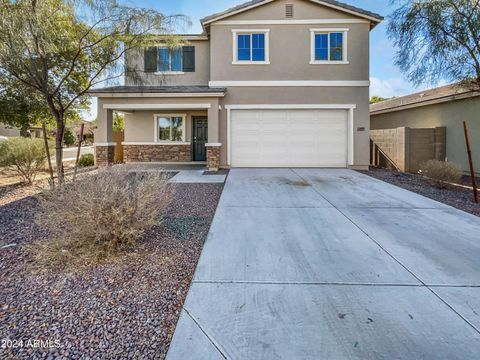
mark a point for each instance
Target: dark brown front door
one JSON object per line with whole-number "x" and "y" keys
{"x": 200, "y": 136}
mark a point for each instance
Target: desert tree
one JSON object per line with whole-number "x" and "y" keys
{"x": 376, "y": 99}
{"x": 437, "y": 39}
{"x": 60, "y": 49}
{"x": 18, "y": 108}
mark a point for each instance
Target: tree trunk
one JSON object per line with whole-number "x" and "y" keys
{"x": 79, "y": 149}
{"x": 59, "y": 148}
{"x": 60, "y": 120}
{"x": 47, "y": 149}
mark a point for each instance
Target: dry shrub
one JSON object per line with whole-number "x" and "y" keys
{"x": 441, "y": 172}
{"x": 26, "y": 156}
{"x": 99, "y": 215}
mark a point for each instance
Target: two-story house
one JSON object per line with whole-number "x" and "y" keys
{"x": 270, "y": 83}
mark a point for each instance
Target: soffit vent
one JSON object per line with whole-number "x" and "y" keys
{"x": 289, "y": 11}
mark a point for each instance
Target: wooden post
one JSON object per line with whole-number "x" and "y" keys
{"x": 78, "y": 151}
{"x": 49, "y": 159}
{"x": 470, "y": 161}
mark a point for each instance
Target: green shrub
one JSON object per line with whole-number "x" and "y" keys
{"x": 86, "y": 160}
{"x": 98, "y": 216}
{"x": 68, "y": 137}
{"x": 26, "y": 156}
{"x": 441, "y": 172}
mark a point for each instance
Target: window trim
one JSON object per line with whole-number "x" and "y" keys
{"x": 170, "y": 72}
{"x": 236, "y": 32}
{"x": 328, "y": 31}
{"x": 169, "y": 115}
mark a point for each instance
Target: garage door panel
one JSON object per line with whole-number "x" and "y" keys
{"x": 292, "y": 138}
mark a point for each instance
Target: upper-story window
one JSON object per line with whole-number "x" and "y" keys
{"x": 170, "y": 60}
{"x": 166, "y": 60}
{"x": 328, "y": 46}
{"x": 251, "y": 47}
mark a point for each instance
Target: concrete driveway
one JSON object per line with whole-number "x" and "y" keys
{"x": 332, "y": 264}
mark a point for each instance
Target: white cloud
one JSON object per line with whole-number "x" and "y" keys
{"x": 396, "y": 86}
{"x": 390, "y": 87}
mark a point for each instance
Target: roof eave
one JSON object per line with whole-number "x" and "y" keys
{"x": 428, "y": 102}
{"x": 206, "y": 21}
{"x": 119, "y": 94}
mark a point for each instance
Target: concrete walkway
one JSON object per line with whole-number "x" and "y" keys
{"x": 187, "y": 174}
{"x": 332, "y": 264}
{"x": 197, "y": 177}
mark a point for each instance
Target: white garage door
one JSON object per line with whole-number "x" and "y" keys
{"x": 289, "y": 138}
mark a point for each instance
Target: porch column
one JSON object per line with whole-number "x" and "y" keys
{"x": 213, "y": 146}
{"x": 104, "y": 144}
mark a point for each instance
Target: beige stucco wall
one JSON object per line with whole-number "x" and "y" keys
{"x": 290, "y": 55}
{"x": 201, "y": 76}
{"x": 450, "y": 115}
{"x": 140, "y": 125}
{"x": 303, "y": 9}
{"x": 306, "y": 95}
{"x": 289, "y": 60}
{"x": 290, "y": 48}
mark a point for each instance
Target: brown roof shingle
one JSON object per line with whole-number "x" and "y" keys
{"x": 441, "y": 94}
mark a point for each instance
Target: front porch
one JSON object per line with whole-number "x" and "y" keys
{"x": 163, "y": 125}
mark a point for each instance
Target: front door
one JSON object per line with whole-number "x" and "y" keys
{"x": 200, "y": 138}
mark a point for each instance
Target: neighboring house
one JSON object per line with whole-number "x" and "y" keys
{"x": 88, "y": 131}
{"x": 8, "y": 131}
{"x": 11, "y": 131}
{"x": 446, "y": 106}
{"x": 270, "y": 83}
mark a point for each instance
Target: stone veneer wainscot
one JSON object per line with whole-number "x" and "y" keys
{"x": 104, "y": 155}
{"x": 213, "y": 156}
{"x": 157, "y": 153}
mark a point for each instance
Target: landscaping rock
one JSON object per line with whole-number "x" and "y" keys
{"x": 125, "y": 307}
{"x": 457, "y": 196}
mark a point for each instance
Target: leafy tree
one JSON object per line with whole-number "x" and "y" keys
{"x": 20, "y": 109}
{"x": 437, "y": 39}
{"x": 118, "y": 122}
{"x": 68, "y": 137}
{"x": 60, "y": 49}
{"x": 376, "y": 99}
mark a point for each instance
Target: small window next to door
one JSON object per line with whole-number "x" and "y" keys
{"x": 170, "y": 128}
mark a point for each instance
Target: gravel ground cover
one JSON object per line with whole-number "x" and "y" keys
{"x": 10, "y": 193}
{"x": 456, "y": 196}
{"x": 16, "y": 191}
{"x": 124, "y": 308}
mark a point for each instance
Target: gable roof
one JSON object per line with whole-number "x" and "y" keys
{"x": 423, "y": 98}
{"x": 375, "y": 18}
